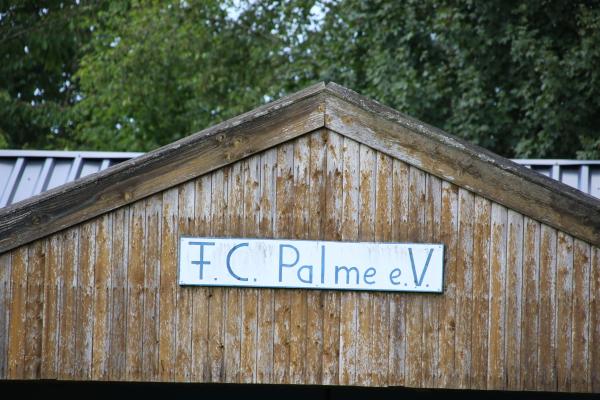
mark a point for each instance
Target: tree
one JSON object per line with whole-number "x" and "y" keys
{"x": 40, "y": 43}
{"x": 519, "y": 78}
{"x": 153, "y": 74}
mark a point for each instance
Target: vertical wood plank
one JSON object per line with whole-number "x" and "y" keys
{"x": 249, "y": 339}
{"x": 216, "y": 322}
{"x": 18, "y": 307}
{"x": 102, "y": 288}
{"x": 233, "y": 227}
{"x": 315, "y": 299}
{"x": 283, "y": 229}
{"x": 480, "y": 297}
{"x": 413, "y": 369}
{"x": 85, "y": 299}
{"x": 595, "y": 320}
{"x": 332, "y": 231}
{"x": 546, "y": 375}
{"x": 380, "y": 343}
{"x": 135, "y": 290}
{"x": 151, "y": 334}
{"x": 349, "y": 300}
{"x": 366, "y": 232}
{"x": 5, "y": 306}
{"x": 400, "y": 196}
{"x": 68, "y": 317}
{"x": 432, "y": 303}
{"x": 52, "y": 278}
{"x": 167, "y": 312}
{"x": 580, "y": 371}
{"x": 530, "y": 293}
{"x": 298, "y": 298}
{"x": 449, "y": 237}
{"x": 119, "y": 265}
{"x": 183, "y": 338}
{"x": 200, "y": 300}
{"x": 34, "y": 308}
{"x": 564, "y": 311}
{"x": 264, "y": 349}
{"x": 496, "y": 378}
{"x": 514, "y": 281}
{"x": 464, "y": 287}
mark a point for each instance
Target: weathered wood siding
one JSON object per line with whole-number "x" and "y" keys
{"x": 520, "y": 310}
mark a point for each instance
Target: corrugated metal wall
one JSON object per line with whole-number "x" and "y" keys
{"x": 580, "y": 174}
{"x": 25, "y": 173}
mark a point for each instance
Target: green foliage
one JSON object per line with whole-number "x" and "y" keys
{"x": 519, "y": 78}
{"x": 40, "y": 44}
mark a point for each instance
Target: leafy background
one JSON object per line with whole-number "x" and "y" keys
{"x": 519, "y": 78}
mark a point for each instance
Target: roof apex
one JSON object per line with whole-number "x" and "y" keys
{"x": 325, "y": 104}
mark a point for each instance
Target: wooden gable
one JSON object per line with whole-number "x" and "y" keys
{"x": 93, "y": 295}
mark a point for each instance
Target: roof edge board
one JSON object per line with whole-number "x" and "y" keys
{"x": 465, "y": 164}
{"x": 185, "y": 159}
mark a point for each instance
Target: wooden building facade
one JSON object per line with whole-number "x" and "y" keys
{"x": 88, "y": 271}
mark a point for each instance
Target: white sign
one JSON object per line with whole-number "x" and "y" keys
{"x": 307, "y": 264}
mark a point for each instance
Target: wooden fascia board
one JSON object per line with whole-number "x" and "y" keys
{"x": 188, "y": 158}
{"x": 467, "y": 165}
{"x": 332, "y": 106}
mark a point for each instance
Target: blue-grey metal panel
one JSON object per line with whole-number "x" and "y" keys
{"x": 580, "y": 174}
{"x": 25, "y": 173}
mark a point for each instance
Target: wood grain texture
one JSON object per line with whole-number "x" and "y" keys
{"x": 464, "y": 286}
{"x": 5, "y": 305}
{"x": 135, "y": 291}
{"x": 151, "y": 334}
{"x": 530, "y": 293}
{"x": 349, "y": 229}
{"x": 471, "y": 167}
{"x": 183, "y": 338}
{"x": 413, "y": 368}
{"x": 380, "y": 342}
{"x": 168, "y": 284}
{"x": 264, "y": 350}
{"x": 480, "y": 298}
{"x": 101, "y": 301}
{"x": 449, "y": 237}
{"x": 216, "y": 306}
{"x": 514, "y": 282}
{"x": 68, "y": 315}
{"x": 397, "y": 356}
{"x": 580, "y": 371}
{"x": 300, "y": 223}
{"x": 34, "y": 308}
{"x": 200, "y": 296}
{"x": 546, "y": 374}
{"x": 496, "y": 376}
{"x": 190, "y": 157}
{"x": 316, "y": 227}
{"x": 119, "y": 266}
{"x": 432, "y": 306}
{"x": 564, "y": 311}
{"x": 18, "y": 307}
{"x": 595, "y": 320}
{"x": 233, "y": 215}
{"x": 283, "y": 228}
{"x": 52, "y": 306}
{"x": 332, "y": 231}
{"x": 251, "y": 221}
